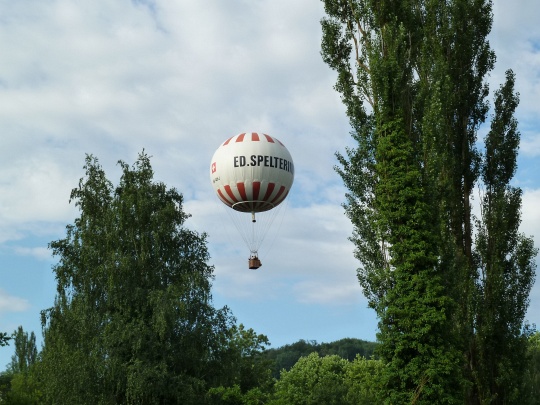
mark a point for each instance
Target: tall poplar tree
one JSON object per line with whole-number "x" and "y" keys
{"x": 411, "y": 75}
{"x": 133, "y": 320}
{"x": 504, "y": 258}
{"x": 25, "y": 351}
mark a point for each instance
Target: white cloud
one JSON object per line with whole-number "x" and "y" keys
{"x": 530, "y": 143}
{"x": 530, "y": 224}
{"x": 514, "y": 21}
{"x": 177, "y": 78}
{"x": 9, "y": 303}
{"x": 33, "y": 191}
{"x": 40, "y": 253}
{"x": 306, "y": 254}
{"x": 323, "y": 292}
{"x": 174, "y": 78}
{"x": 515, "y": 38}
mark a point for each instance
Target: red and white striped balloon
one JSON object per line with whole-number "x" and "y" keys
{"x": 252, "y": 172}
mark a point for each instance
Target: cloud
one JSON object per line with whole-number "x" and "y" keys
{"x": 174, "y": 78}
{"x": 306, "y": 254}
{"x": 34, "y": 195}
{"x": 9, "y": 303}
{"x": 530, "y": 214}
{"x": 313, "y": 292}
{"x": 530, "y": 143}
{"x": 515, "y": 22}
{"x": 515, "y": 38}
{"x": 177, "y": 78}
{"x": 40, "y": 253}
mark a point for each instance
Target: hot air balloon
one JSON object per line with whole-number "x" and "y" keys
{"x": 252, "y": 174}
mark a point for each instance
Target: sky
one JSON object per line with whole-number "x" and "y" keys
{"x": 176, "y": 78}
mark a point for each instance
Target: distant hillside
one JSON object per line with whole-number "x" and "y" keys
{"x": 286, "y": 356}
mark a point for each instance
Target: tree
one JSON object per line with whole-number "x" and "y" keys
{"x": 531, "y": 383}
{"x": 4, "y": 339}
{"x": 21, "y": 379}
{"x": 5, "y": 385}
{"x": 330, "y": 380}
{"x": 286, "y": 356}
{"x": 249, "y": 378}
{"x": 25, "y": 351}
{"x": 363, "y": 379}
{"x": 133, "y": 320}
{"x": 24, "y": 389}
{"x": 411, "y": 75}
{"x": 233, "y": 395}
{"x": 249, "y": 368}
{"x": 505, "y": 260}
{"x": 347, "y": 348}
{"x": 313, "y": 380}
{"x": 391, "y": 199}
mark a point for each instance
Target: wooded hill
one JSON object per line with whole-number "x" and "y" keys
{"x": 284, "y": 357}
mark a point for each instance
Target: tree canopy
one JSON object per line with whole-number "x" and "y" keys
{"x": 285, "y": 357}
{"x": 133, "y": 320}
{"x": 450, "y": 289}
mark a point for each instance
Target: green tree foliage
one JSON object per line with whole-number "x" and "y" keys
{"x": 347, "y": 348}
{"x": 330, "y": 380}
{"x": 248, "y": 367}
{"x": 248, "y": 379}
{"x": 390, "y": 202}
{"x": 25, "y": 351}
{"x": 133, "y": 320}
{"x": 531, "y": 382}
{"x": 24, "y": 389}
{"x": 4, "y": 339}
{"x": 504, "y": 258}
{"x": 20, "y": 381}
{"x": 4, "y": 377}
{"x": 363, "y": 380}
{"x": 225, "y": 395}
{"x": 5, "y": 385}
{"x": 313, "y": 380}
{"x": 451, "y": 307}
{"x": 286, "y": 356}
{"x": 233, "y": 395}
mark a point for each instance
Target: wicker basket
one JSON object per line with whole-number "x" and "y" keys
{"x": 254, "y": 263}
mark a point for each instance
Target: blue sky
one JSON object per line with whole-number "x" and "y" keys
{"x": 176, "y": 78}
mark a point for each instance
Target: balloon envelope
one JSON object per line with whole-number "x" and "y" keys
{"x": 252, "y": 172}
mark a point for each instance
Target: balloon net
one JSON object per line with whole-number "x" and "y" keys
{"x": 254, "y": 227}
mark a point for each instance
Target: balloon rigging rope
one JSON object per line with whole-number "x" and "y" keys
{"x": 274, "y": 231}
{"x": 253, "y": 233}
{"x": 226, "y": 227}
{"x": 240, "y": 221}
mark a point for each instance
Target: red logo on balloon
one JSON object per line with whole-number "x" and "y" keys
{"x": 214, "y": 167}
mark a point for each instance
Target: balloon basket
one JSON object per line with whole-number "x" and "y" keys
{"x": 254, "y": 263}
